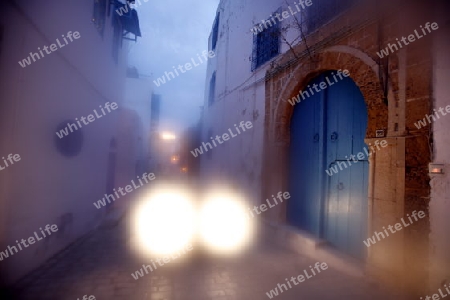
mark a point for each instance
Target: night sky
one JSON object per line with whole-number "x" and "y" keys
{"x": 174, "y": 32}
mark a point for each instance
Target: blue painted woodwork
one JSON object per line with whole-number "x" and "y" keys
{"x": 326, "y": 128}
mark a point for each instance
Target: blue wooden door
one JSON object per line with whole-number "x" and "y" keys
{"x": 326, "y": 129}
{"x": 304, "y": 211}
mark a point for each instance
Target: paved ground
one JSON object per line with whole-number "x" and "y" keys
{"x": 101, "y": 265}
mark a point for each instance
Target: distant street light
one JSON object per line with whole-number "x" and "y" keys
{"x": 174, "y": 159}
{"x": 168, "y": 136}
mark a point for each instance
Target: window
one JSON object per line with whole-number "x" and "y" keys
{"x": 99, "y": 15}
{"x": 130, "y": 23}
{"x": 323, "y": 11}
{"x": 266, "y": 44}
{"x": 212, "y": 89}
{"x": 124, "y": 21}
{"x": 155, "y": 110}
{"x": 215, "y": 32}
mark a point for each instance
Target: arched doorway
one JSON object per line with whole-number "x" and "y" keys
{"x": 327, "y": 128}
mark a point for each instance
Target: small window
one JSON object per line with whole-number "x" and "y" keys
{"x": 324, "y": 11}
{"x": 212, "y": 89}
{"x": 215, "y": 32}
{"x": 155, "y": 108}
{"x": 99, "y": 15}
{"x": 266, "y": 44}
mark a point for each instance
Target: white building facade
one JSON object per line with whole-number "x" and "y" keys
{"x": 235, "y": 86}
{"x": 134, "y": 128}
{"x": 81, "y": 69}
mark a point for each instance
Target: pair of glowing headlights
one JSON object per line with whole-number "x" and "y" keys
{"x": 167, "y": 221}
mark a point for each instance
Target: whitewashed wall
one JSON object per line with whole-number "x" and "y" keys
{"x": 240, "y": 94}
{"x": 46, "y": 187}
{"x": 138, "y": 93}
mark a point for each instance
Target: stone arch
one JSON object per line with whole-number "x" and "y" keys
{"x": 288, "y": 83}
{"x": 363, "y": 70}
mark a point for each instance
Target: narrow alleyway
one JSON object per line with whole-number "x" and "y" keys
{"x": 101, "y": 265}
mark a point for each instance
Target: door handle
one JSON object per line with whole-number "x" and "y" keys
{"x": 316, "y": 137}
{"x": 334, "y": 136}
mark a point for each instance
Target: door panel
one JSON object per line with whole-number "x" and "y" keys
{"x": 304, "y": 159}
{"x": 325, "y": 130}
{"x": 347, "y": 122}
{"x": 345, "y": 217}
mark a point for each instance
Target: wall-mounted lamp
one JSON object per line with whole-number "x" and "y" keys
{"x": 436, "y": 168}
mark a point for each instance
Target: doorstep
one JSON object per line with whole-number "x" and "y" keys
{"x": 304, "y": 243}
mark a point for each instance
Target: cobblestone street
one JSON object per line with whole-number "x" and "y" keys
{"x": 101, "y": 265}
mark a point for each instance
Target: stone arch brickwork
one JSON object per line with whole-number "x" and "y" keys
{"x": 363, "y": 70}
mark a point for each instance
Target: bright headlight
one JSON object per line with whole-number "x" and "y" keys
{"x": 224, "y": 225}
{"x": 165, "y": 222}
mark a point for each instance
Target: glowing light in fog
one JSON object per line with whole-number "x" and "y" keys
{"x": 174, "y": 159}
{"x": 165, "y": 222}
{"x": 168, "y": 136}
{"x": 224, "y": 225}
